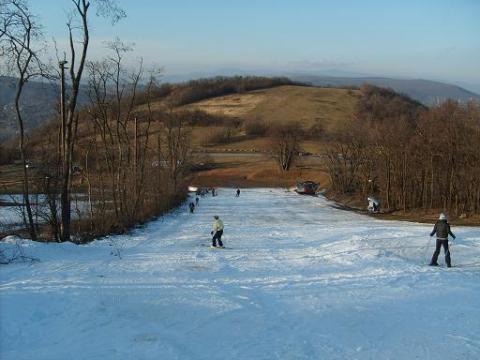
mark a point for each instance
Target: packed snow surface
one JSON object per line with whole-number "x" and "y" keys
{"x": 299, "y": 280}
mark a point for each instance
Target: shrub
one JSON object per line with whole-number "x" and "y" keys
{"x": 316, "y": 131}
{"x": 255, "y": 127}
{"x": 218, "y": 136}
{"x": 8, "y": 154}
{"x": 284, "y": 143}
{"x": 203, "y": 118}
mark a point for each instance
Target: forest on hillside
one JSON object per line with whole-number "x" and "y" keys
{"x": 410, "y": 156}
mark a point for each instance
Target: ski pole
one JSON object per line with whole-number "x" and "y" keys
{"x": 428, "y": 246}
{"x": 450, "y": 244}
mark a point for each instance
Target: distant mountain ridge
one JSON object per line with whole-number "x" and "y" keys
{"x": 427, "y": 92}
{"x": 37, "y": 104}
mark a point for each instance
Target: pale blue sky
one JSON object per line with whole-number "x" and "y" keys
{"x": 433, "y": 39}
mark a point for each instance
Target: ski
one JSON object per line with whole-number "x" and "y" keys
{"x": 215, "y": 247}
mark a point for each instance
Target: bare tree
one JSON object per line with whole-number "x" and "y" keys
{"x": 112, "y": 93}
{"x": 285, "y": 140}
{"x": 20, "y": 45}
{"x": 344, "y": 160}
{"x": 79, "y": 36}
{"x": 128, "y": 176}
{"x": 176, "y": 150}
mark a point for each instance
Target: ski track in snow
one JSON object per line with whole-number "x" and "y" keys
{"x": 298, "y": 280}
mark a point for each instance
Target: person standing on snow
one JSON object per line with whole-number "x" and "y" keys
{"x": 442, "y": 229}
{"x": 197, "y": 200}
{"x": 217, "y": 232}
{"x": 192, "y": 207}
{"x": 238, "y": 192}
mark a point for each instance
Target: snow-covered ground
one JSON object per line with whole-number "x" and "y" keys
{"x": 299, "y": 280}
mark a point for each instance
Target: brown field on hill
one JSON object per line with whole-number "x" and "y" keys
{"x": 232, "y": 170}
{"x": 262, "y": 144}
{"x": 330, "y": 108}
{"x": 307, "y": 105}
{"x": 326, "y": 108}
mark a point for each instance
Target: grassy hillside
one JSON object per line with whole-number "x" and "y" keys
{"x": 327, "y": 108}
{"x": 308, "y": 105}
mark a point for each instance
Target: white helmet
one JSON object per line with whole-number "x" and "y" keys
{"x": 442, "y": 217}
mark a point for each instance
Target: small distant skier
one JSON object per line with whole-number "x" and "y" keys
{"x": 217, "y": 232}
{"x": 213, "y": 192}
{"x": 238, "y": 192}
{"x": 197, "y": 200}
{"x": 373, "y": 205}
{"x": 442, "y": 229}
{"x": 192, "y": 207}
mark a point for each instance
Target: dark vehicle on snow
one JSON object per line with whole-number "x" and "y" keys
{"x": 307, "y": 187}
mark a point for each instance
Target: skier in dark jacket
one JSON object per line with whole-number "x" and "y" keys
{"x": 192, "y": 207}
{"x": 238, "y": 192}
{"x": 442, "y": 229}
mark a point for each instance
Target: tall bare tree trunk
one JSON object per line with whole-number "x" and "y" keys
{"x": 21, "y": 146}
{"x": 18, "y": 32}
{"x": 68, "y": 142}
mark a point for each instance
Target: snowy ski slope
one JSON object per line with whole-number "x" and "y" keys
{"x": 299, "y": 280}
